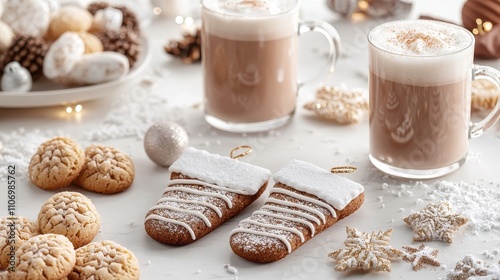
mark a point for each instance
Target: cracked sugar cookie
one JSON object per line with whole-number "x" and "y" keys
{"x": 45, "y": 257}
{"x": 71, "y": 214}
{"x": 106, "y": 170}
{"x": 23, "y": 229}
{"x": 56, "y": 163}
{"x": 105, "y": 260}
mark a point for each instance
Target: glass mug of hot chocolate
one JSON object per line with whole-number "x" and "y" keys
{"x": 420, "y": 97}
{"x": 250, "y": 57}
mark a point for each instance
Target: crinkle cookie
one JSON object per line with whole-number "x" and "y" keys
{"x": 22, "y": 228}
{"x": 106, "y": 170}
{"x": 105, "y": 260}
{"x": 45, "y": 257}
{"x": 71, "y": 214}
{"x": 56, "y": 163}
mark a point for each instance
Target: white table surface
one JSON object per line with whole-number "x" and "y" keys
{"x": 175, "y": 95}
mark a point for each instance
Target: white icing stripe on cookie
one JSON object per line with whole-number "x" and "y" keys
{"x": 264, "y": 225}
{"x": 296, "y": 205}
{"x": 262, "y": 233}
{"x": 160, "y": 218}
{"x": 186, "y": 201}
{"x": 198, "y": 192}
{"x": 177, "y": 209}
{"x": 305, "y": 198}
{"x": 278, "y": 216}
{"x": 291, "y": 211}
{"x": 205, "y": 184}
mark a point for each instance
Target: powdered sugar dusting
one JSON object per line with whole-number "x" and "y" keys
{"x": 338, "y": 191}
{"x": 18, "y": 147}
{"x": 478, "y": 203}
{"x": 222, "y": 171}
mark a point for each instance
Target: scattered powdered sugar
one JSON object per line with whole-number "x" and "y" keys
{"x": 231, "y": 269}
{"x": 474, "y": 201}
{"x": 18, "y": 147}
{"x": 477, "y": 202}
{"x": 135, "y": 111}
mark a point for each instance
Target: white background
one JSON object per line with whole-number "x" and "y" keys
{"x": 177, "y": 94}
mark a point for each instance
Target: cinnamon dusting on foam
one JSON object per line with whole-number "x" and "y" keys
{"x": 414, "y": 40}
{"x": 422, "y": 37}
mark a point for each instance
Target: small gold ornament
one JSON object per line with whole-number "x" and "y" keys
{"x": 339, "y": 105}
{"x": 246, "y": 151}
{"x": 343, "y": 169}
{"x": 483, "y": 27}
{"x": 420, "y": 256}
{"x": 365, "y": 251}
{"x": 435, "y": 222}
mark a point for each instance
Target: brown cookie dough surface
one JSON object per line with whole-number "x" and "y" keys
{"x": 106, "y": 170}
{"x": 105, "y": 260}
{"x": 56, "y": 163}
{"x": 45, "y": 257}
{"x": 70, "y": 214}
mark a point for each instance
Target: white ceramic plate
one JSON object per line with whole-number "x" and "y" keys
{"x": 46, "y": 93}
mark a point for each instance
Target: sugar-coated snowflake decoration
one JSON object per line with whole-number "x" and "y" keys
{"x": 473, "y": 268}
{"x": 420, "y": 256}
{"x": 435, "y": 222}
{"x": 365, "y": 251}
{"x": 339, "y": 105}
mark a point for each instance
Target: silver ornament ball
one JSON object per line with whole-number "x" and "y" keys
{"x": 16, "y": 78}
{"x": 164, "y": 142}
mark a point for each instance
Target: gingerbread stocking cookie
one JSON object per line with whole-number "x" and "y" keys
{"x": 204, "y": 191}
{"x": 304, "y": 201}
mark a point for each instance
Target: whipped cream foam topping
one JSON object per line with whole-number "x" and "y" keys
{"x": 250, "y": 7}
{"x": 427, "y": 38}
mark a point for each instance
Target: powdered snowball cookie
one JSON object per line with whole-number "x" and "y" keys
{"x": 27, "y": 17}
{"x": 53, "y": 6}
{"x": 45, "y": 257}
{"x": 56, "y": 163}
{"x": 92, "y": 43}
{"x": 7, "y": 36}
{"x": 15, "y": 228}
{"x": 71, "y": 214}
{"x": 106, "y": 170}
{"x": 105, "y": 260}
{"x": 97, "y": 68}
{"x": 62, "y": 56}
{"x": 108, "y": 19}
{"x": 70, "y": 18}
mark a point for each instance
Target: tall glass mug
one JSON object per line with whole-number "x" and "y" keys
{"x": 420, "y": 97}
{"x": 249, "y": 57}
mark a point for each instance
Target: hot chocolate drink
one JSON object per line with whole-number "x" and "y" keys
{"x": 249, "y": 59}
{"x": 420, "y": 83}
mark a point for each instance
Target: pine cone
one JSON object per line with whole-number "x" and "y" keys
{"x": 29, "y": 52}
{"x": 122, "y": 41}
{"x": 188, "y": 49}
{"x": 130, "y": 20}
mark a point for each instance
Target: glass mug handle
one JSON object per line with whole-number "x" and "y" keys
{"x": 331, "y": 35}
{"x": 493, "y": 75}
